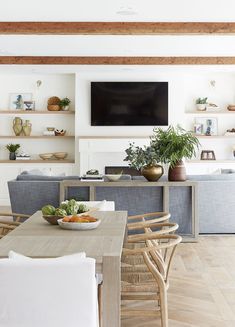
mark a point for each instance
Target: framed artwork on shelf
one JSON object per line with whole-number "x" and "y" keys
{"x": 17, "y": 100}
{"x": 29, "y": 105}
{"x": 206, "y": 126}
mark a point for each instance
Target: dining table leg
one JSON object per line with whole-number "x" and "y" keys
{"x": 111, "y": 291}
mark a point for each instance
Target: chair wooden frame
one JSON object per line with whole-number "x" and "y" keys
{"x": 7, "y": 226}
{"x": 147, "y": 277}
{"x": 159, "y": 269}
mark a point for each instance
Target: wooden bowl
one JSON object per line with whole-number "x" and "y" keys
{"x": 46, "y": 156}
{"x": 53, "y": 220}
{"x": 60, "y": 155}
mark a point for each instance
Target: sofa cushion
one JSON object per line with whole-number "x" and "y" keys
{"x": 222, "y": 177}
{"x": 28, "y": 177}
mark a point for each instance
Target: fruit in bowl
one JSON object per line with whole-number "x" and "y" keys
{"x": 66, "y": 208}
{"x": 79, "y": 219}
{"x": 51, "y": 214}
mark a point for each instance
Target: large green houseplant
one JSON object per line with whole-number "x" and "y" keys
{"x": 171, "y": 146}
{"x": 145, "y": 160}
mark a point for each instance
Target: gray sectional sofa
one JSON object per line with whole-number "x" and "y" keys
{"x": 216, "y": 200}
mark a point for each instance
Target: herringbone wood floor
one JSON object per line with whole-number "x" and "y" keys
{"x": 202, "y": 286}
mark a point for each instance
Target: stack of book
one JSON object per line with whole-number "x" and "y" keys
{"x": 23, "y": 157}
{"x": 92, "y": 178}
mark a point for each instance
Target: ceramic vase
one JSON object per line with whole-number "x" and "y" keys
{"x": 65, "y": 108}
{"x": 177, "y": 173}
{"x": 152, "y": 173}
{"x": 27, "y": 128}
{"x": 12, "y": 156}
{"x": 17, "y": 126}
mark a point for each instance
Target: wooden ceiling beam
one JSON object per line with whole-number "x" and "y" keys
{"x": 58, "y": 60}
{"x": 115, "y": 28}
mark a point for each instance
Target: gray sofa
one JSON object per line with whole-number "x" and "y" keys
{"x": 216, "y": 203}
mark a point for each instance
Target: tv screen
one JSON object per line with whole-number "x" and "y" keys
{"x": 129, "y": 103}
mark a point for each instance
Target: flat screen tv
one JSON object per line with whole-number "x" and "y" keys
{"x": 129, "y": 103}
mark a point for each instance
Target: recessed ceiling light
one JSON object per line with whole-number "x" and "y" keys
{"x": 126, "y": 11}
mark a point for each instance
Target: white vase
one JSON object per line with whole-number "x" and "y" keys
{"x": 65, "y": 108}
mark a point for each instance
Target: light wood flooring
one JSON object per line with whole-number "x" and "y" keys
{"x": 202, "y": 286}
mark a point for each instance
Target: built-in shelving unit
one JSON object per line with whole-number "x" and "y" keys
{"x": 36, "y": 112}
{"x": 37, "y": 137}
{"x": 37, "y": 161}
{"x": 216, "y": 136}
{"x": 221, "y": 112}
{"x": 211, "y": 161}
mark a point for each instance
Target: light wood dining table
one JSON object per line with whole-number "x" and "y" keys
{"x": 36, "y": 238}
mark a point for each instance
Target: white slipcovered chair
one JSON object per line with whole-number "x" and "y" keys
{"x": 48, "y": 292}
{"x": 100, "y": 205}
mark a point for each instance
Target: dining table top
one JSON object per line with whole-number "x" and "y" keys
{"x": 37, "y": 238}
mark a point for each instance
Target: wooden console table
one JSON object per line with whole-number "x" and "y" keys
{"x": 64, "y": 185}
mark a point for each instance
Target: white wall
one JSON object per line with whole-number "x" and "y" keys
{"x": 185, "y": 85}
{"x": 107, "y": 10}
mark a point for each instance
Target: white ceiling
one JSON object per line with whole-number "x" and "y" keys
{"x": 107, "y": 10}
{"x": 116, "y": 10}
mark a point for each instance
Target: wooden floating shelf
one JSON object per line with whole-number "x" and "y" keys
{"x": 37, "y": 161}
{"x": 37, "y": 137}
{"x": 36, "y": 112}
{"x": 222, "y": 112}
{"x": 215, "y": 137}
{"x": 211, "y": 161}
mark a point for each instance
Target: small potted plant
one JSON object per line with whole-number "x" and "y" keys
{"x": 64, "y": 103}
{"x": 12, "y": 148}
{"x": 144, "y": 159}
{"x": 171, "y": 146}
{"x": 201, "y": 104}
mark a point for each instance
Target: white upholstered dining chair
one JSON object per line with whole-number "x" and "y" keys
{"x": 48, "y": 292}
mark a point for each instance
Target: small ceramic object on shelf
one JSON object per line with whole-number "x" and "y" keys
{"x": 17, "y": 126}
{"x": 212, "y": 107}
{"x": 46, "y": 156}
{"x": 60, "y": 155}
{"x": 113, "y": 177}
{"x": 231, "y": 107}
{"x": 60, "y": 132}
{"x": 230, "y": 132}
{"x": 50, "y": 129}
{"x": 27, "y": 128}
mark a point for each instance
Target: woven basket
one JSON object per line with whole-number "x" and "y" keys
{"x": 53, "y": 107}
{"x": 53, "y": 104}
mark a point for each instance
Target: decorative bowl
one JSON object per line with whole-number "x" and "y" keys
{"x": 50, "y": 129}
{"x": 60, "y": 155}
{"x": 113, "y": 177}
{"x": 53, "y": 220}
{"x": 78, "y": 226}
{"x": 46, "y": 156}
{"x": 60, "y": 132}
